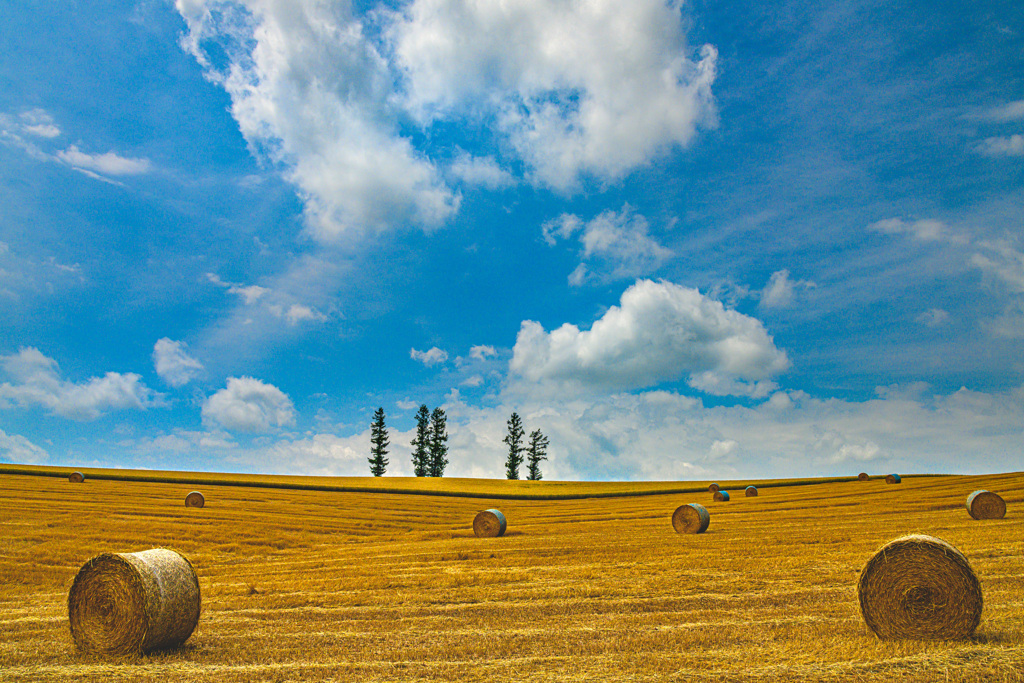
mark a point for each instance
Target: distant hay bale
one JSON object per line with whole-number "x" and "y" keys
{"x": 986, "y": 505}
{"x": 195, "y": 499}
{"x": 691, "y": 519}
{"x": 893, "y": 479}
{"x": 489, "y": 524}
{"x": 713, "y": 488}
{"x": 750, "y": 491}
{"x": 128, "y": 603}
{"x": 919, "y": 587}
{"x": 863, "y": 476}
{"x": 76, "y": 477}
{"x": 721, "y": 495}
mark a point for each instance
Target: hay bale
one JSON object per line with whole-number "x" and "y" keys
{"x": 863, "y": 476}
{"x": 750, "y": 491}
{"x": 127, "y": 603}
{"x": 195, "y": 499}
{"x": 76, "y": 477}
{"x": 893, "y": 479}
{"x": 986, "y": 505}
{"x": 489, "y": 524}
{"x": 721, "y": 496}
{"x": 713, "y": 487}
{"x": 691, "y": 519}
{"x": 919, "y": 587}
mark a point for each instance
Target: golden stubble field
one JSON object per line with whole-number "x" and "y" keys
{"x": 313, "y": 585}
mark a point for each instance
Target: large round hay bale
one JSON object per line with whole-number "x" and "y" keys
{"x": 713, "y": 487}
{"x": 691, "y": 519}
{"x": 919, "y": 587}
{"x": 750, "y": 491}
{"x": 893, "y": 479}
{"x": 195, "y": 499}
{"x": 863, "y": 476}
{"x": 721, "y": 496}
{"x": 986, "y": 505}
{"x": 125, "y": 603}
{"x": 489, "y": 523}
{"x": 76, "y": 477}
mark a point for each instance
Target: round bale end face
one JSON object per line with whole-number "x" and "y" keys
{"x": 76, "y": 477}
{"x": 489, "y": 524}
{"x": 922, "y": 588}
{"x": 693, "y": 518}
{"x": 863, "y": 476}
{"x": 986, "y": 505}
{"x": 893, "y": 479}
{"x": 751, "y": 491}
{"x": 721, "y": 496}
{"x": 195, "y": 499}
{"x": 130, "y": 603}
{"x": 713, "y": 487}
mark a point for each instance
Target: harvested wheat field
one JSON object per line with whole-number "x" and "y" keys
{"x": 375, "y": 586}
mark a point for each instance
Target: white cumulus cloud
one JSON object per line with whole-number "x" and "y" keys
{"x": 37, "y": 381}
{"x": 660, "y": 332}
{"x": 614, "y": 245}
{"x": 433, "y": 356}
{"x": 586, "y": 87}
{"x": 249, "y": 405}
{"x": 173, "y": 364}
{"x": 312, "y": 92}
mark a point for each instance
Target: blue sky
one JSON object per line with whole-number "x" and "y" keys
{"x": 685, "y": 241}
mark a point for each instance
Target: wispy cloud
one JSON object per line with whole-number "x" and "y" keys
{"x": 18, "y": 449}
{"x": 108, "y": 164}
{"x": 780, "y": 291}
{"x": 434, "y": 356}
{"x": 173, "y": 364}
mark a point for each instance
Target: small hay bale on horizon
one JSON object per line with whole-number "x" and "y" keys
{"x": 919, "y": 587}
{"x": 132, "y": 603}
{"x": 489, "y": 524}
{"x": 76, "y": 477}
{"x": 893, "y": 479}
{"x": 986, "y": 505}
{"x": 195, "y": 499}
{"x": 863, "y": 476}
{"x": 713, "y": 487}
{"x": 750, "y": 491}
{"x": 721, "y": 496}
{"x": 692, "y": 518}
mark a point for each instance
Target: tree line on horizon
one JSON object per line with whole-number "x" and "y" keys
{"x": 430, "y": 445}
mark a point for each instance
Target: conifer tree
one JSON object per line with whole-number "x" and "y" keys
{"x": 421, "y": 443}
{"x": 438, "y": 443}
{"x": 514, "y": 439}
{"x": 378, "y": 444}
{"x": 535, "y": 452}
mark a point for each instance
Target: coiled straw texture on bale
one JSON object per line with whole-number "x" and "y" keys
{"x": 863, "y": 476}
{"x": 721, "y": 496}
{"x": 919, "y": 587}
{"x": 691, "y": 519}
{"x": 893, "y": 479}
{"x": 76, "y": 477}
{"x": 489, "y": 524}
{"x": 750, "y": 491}
{"x": 129, "y": 603}
{"x": 713, "y": 487}
{"x": 986, "y": 505}
{"x": 195, "y": 499}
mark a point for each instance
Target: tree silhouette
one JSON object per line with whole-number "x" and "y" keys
{"x": 514, "y": 439}
{"x": 438, "y": 443}
{"x": 535, "y": 452}
{"x": 421, "y": 443}
{"x": 378, "y": 444}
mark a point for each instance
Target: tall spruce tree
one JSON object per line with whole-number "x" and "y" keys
{"x": 514, "y": 439}
{"x": 378, "y": 444}
{"x": 421, "y": 443}
{"x": 535, "y": 452}
{"x": 438, "y": 443}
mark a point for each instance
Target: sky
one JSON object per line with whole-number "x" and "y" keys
{"x": 684, "y": 240}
